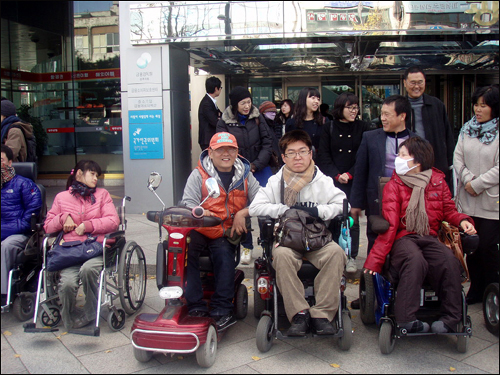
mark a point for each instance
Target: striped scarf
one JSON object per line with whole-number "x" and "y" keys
{"x": 416, "y": 217}
{"x": 8, "y": 174}
{"x": 295, "y": 182}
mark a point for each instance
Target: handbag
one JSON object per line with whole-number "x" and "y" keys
{"x": 299, "y": 230}
{"x": 449, "y": 235}
{"x": 72, "y": 253}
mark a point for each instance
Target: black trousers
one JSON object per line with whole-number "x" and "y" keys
{"x": 415, "y": 258}
{"x": 483, "y": 264}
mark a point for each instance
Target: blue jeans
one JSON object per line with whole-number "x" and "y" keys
{"x": 222, "y": 256}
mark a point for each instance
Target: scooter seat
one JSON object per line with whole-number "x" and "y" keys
{"x": 307, "y": 271}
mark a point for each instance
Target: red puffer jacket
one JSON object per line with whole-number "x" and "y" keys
{"x": 438, "y": 204}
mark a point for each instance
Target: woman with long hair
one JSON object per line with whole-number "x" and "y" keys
{"x": 285, "y": 113}
{"x": 81, "y": 210}
{"x": 307, "y": 116}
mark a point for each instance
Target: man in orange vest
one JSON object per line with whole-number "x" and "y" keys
{"x": 238, "y": 187}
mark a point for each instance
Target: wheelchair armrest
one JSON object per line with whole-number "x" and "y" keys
{"x": 378, "y": 223}
{"x": 114, "y": 234}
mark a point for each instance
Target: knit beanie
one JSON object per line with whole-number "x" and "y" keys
{"x": 237, "y": 95}
{"x": 267, "y": 106}
{"x": 8, "y": 108}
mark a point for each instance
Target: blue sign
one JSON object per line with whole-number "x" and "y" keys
{"x": 146, "y": 134}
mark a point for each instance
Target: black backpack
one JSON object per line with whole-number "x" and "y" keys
{"x": 31, "y": 155}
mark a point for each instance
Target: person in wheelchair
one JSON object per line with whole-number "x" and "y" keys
{"x": 80, "y": 210}
{"x": 238, "y": 188}
{"x": 308, "y": 189}
{"x": 415, "y": 201}
{"x": 20, "y": 199}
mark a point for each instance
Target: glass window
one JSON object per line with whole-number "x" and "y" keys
{"x": 373, "y": 94}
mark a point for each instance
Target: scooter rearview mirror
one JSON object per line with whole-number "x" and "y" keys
{"x": 212, "y": 188}
{"x": 154, "y": 181}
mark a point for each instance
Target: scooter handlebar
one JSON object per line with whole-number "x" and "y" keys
{"x": 183, "y": 217}
{"x": 198, "y": 212}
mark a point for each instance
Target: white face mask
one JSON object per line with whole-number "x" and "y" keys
{"x": 402, "y": 165}
{"x": 270, "y": 115}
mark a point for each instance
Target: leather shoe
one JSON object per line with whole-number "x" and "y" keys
{"x": 322, "y": 326}
{"x": 300, "y": 324}
{"x": 355, "y": 304}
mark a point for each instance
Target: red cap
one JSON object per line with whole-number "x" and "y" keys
{"x": 223, "y": 139}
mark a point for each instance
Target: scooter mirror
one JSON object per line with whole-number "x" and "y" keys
{"x": 212, "y": 187}
{"x": 154, "y": 181}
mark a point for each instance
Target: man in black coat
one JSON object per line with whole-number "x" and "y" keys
{"x": 429, "y": 120}
{"x": 208, "y": 112}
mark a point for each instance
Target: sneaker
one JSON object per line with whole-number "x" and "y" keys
{"x": 225, "y": 321}
{"x": 300, "y": 324}
{"x": 439, "y": 327}
{"x": 246, "y": 255}
{"x": 351, "y": 265}
{"x": 416, "y": 326}
{"x": 322, "y": 326}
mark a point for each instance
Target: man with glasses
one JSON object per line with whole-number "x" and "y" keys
{"x": 308, "y": 189}
{"x": 429, "y": 120}
{"x": 238, "y": 187}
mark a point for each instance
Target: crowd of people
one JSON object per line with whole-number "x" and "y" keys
{"x": 319, "y": 158}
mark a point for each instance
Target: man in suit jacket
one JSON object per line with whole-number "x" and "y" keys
{"x": 208, "y": 112}
{"x": 375, "y": 158}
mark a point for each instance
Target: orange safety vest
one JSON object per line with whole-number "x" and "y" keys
{"x": 224, "y": 207}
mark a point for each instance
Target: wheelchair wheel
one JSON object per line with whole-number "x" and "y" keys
{"x": 241, "y": 302}
{"x": 345, "y": 341}
{"x": 143, "y": 355}
{"x": 132, "y": 277}
{"x": 53, "y": 319}
{"x": 264, "y": 334}
{"x": 206, "y": 353}
{"x": 367, "y": 299}
{"x": 490, "y": 308}
{"x": 23, "y": 307}
{"x": 116, "y": 321}
{"x": 386, "y": 340}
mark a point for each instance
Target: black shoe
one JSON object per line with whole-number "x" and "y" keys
{"x": 355, "y": 304}
{"x": 199, "y": 314}
{"x": 224, "y": 321}
{"x": 300, "y": 324}
{"x": 322, "y": 326}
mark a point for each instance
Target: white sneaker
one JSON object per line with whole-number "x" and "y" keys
{"x": 246, "y": 256}
{"x": 351, "y": 265}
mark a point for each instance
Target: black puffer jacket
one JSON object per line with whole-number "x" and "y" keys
{"x": 254, "y": 137}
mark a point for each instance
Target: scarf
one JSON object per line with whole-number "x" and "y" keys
{"x": 485, "y": 132}
{"x": 78, "y": 188}
{"x": 8, "y": 174}
{"x": 416, "y": 217}
{"x": 296, "y": 182}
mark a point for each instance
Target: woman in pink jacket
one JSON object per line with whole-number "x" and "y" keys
{"x": 80, "y": 210}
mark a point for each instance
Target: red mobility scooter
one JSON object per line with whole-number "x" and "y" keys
{"x": 173, "y": 330}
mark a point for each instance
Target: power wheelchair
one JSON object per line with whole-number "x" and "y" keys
{"x": 22, "y": 277}
{"x": 122, "y": 277}
{"x": 268, "y": 301}
{"x": 377, "y": 294}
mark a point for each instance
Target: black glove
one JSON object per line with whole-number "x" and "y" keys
{"x": 313, "y": 211}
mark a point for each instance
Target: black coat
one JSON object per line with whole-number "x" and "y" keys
{"x": 338, "y": 147}
{"x": 208, "y": 115}
{"x": 438, "y": 132}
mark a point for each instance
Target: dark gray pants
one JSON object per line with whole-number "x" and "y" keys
{"x": 415, "y": 258}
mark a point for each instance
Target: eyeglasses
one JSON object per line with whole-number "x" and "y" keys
{"x": 415, "y": 83}
{"x": 302, "y": 154}
{"x": 353, "y": 108}
{"x": 229, "y": 150}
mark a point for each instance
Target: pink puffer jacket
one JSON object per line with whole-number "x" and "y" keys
{"x": 99, "y": 218}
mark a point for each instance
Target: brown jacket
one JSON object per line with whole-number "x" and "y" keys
{"x": 16, "y": 141}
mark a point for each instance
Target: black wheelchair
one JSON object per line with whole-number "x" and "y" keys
{"x": 268, "y": 301}
{"x": 122, "y": 277}
{"x": 22, "y": 277}
{"x": 377, "y": 294}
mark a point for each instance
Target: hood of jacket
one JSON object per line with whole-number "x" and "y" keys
{"x": 228, "y": 116}
{"x": 241, "y": 169}
{"x": 14, "y": 120}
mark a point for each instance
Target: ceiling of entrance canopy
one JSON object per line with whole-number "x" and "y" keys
{"x": 272, "y": 38}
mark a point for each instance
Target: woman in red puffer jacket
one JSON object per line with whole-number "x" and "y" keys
{"x": 415, "y": 202}
{"x": 80, "y": 210}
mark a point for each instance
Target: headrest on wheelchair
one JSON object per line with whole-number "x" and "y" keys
{"x": 26, "y": 169}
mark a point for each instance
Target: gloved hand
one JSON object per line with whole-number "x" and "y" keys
{"x": 311, "y": 210}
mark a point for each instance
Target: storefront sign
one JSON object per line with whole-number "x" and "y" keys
{"x": 83, "y": 75}
{"x": 144, "y": 65}
{"x": 145, "y": 89}
{"x": 153, "y": 102}
{"x": 146, "y": 134}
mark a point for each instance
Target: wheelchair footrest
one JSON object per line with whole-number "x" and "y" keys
{"x": 94, "y": 331}
{"x": 31, "y": 328}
